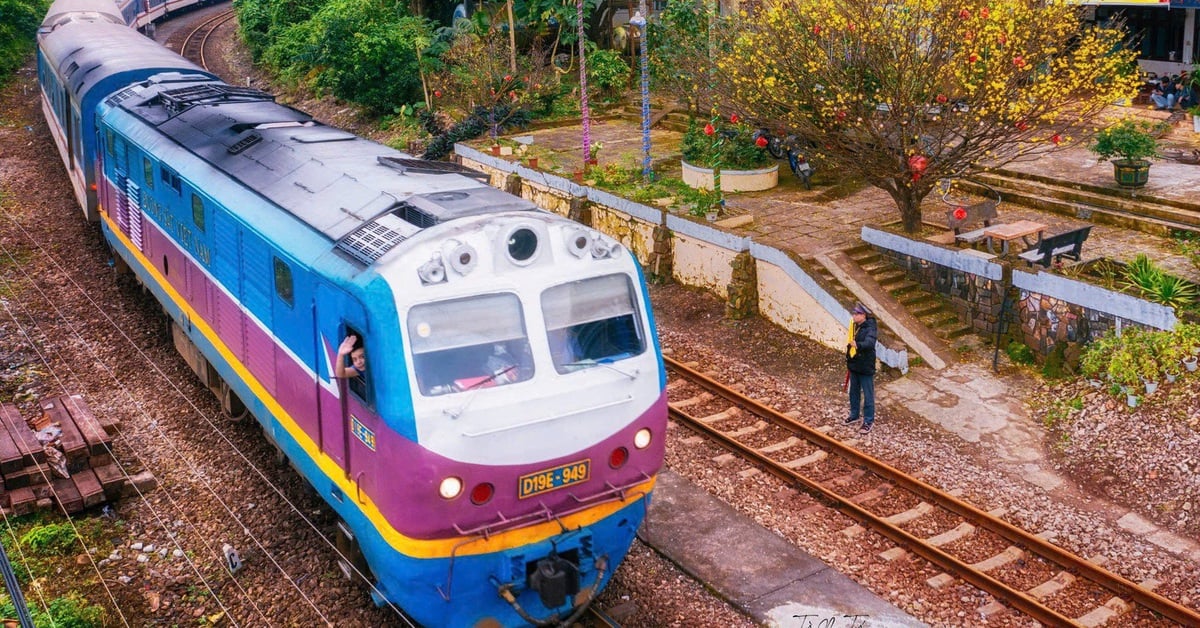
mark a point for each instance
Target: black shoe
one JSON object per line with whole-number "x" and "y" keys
{"x": 851, "y": 420}
{"x": 864, "y": 430}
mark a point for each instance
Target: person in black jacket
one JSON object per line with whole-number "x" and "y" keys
{"x": 860, "y": 362}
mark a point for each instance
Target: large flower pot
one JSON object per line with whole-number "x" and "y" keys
{"x": 1131, "y": 173}
{"x": 732, "y": 180}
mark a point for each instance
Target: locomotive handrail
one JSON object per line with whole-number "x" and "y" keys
{"x": 503, "y": 523}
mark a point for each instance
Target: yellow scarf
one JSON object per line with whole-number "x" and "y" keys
{"x": 850, "y": 340}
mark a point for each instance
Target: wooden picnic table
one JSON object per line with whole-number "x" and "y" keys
{"x": 1010, "y": 231}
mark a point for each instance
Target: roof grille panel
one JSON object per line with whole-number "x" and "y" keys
{"x": 369, "y": 242}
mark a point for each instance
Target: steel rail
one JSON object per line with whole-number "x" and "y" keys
{"x": 1104, "y": 578}
{"x": 207, "y": 27}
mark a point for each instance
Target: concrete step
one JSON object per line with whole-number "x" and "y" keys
{"x": 914, "y": 298}
{"x": 927, "y": 308}
{"x": 1100, "y": 205}
{"x": 956, "y": 332}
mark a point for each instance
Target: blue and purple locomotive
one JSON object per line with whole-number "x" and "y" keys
{"x": 492, "y": 459}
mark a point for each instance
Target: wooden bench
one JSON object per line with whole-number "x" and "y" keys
{"x": 971, "y": 215}
{"x": 1053, "y": 248}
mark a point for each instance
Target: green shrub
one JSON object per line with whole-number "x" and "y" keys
{"x": 50, "y": 539}
{"x": 19, "y": 20}
{"x": 1019, "y": 353}
{"x": 607, "y": 71}
{"x": 70, "y": 611}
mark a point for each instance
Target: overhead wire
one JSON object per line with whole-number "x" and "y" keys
{"x": 158, "y": 517}
{"x": 216, "y": 430}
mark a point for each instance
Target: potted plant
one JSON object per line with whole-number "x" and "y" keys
{"x": 1133, "y": 145}
{"x": 1195, "y": 111}
{"x": 730, "y": 149}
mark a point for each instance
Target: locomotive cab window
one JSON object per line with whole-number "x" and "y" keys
{"x": 469, "y": 344}
{"x": 353, "y": 366}
{"x": 592, "y": 321}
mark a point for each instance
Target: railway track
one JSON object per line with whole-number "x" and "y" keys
{"x": 1019, "y": 569}
{"x": 197, "y": 39}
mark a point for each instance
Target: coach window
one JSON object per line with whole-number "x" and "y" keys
{"x": 467, "y": 344}
{"x": 148, "y": 172}
{"x": 198, "y": 213}
{"x": 592, "y": 321}
{"x": 109, "y": 141}
{"x": 283, "y": 282}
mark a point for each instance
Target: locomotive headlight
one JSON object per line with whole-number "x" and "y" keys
{"x": 450, "y": 487}
{"x": 522, "y": 245}
{"x": 641, "y": 440}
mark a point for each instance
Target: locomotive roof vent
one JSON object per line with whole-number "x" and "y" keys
{"x": 451, "y": 204}
{"x": 428, "y": 166}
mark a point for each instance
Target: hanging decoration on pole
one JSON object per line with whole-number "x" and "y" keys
{"x": 638, "y": 22}
{"x": 585, "y": 113}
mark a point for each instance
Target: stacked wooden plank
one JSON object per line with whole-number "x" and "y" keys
{"x": 85, "y": 442}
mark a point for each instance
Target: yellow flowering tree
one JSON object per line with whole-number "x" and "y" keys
{"x": 908, "y": 92}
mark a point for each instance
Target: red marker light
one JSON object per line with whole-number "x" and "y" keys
{"x": 618, "y": 457}
{"x": 482, "y": 493}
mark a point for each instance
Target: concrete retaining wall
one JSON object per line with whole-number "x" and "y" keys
{"x": 788, "y": 296}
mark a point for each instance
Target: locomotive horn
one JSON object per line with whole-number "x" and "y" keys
{"x": 579, "y": 241}
{"x": 432, "y": 271}
{"x": 463, "y": 258}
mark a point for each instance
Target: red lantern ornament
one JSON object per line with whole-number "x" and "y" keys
{"x": 964, "y": 15}
{"x": 1019, "y": 61}
{"x": 437, "y": 93}
{"x": 734, "y": 118}
{"x": 973, "y": 58}
{"x": 840, "y": 115}
{"x": 507, "y": 77}
{"x": 941, "y": 98}
{"x": 1003, "y": 39}
{"x": 969, "y": 36}
{"x": 1056, "y": 138}
{"x": 983, "y": 13}
{"x": 1021, "y": 125}
{"x": 761, "y": 142}
{"x": 918, "y": 164}
{"x": 708, "y": 129}
{"x": 960, "y": 213}
{"x": 816, "y": 29}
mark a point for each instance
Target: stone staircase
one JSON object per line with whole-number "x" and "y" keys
{"x": 1118, "y": 208}
{"x": 932, "y": 310}
{"x": 670, "y": 120}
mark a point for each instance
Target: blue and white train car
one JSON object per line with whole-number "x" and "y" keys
{"x": 494, "y": 458}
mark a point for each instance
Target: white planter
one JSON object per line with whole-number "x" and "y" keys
{"x": 1196, "y": 124}
{"x": 732, "y": 180}
{"x": 1190, "y": 363}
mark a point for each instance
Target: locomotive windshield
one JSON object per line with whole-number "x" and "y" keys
{"x": 465, "y": 344}
{"x": 592, "y": 320}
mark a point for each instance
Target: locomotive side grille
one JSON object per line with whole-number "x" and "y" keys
{"x": 134, "y": 210}
{"x": 122, "y": 203}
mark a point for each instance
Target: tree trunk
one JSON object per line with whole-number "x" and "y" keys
{"x": 909, "y": 203}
